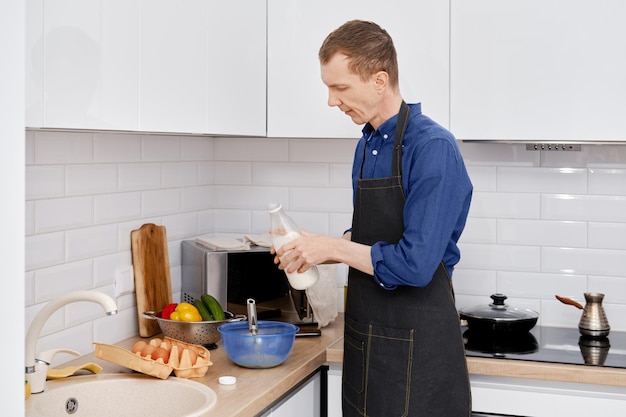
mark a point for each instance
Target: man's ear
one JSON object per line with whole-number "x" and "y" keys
{"x": 381, "y": 80}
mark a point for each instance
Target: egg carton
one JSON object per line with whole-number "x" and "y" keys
{"x": 181, "y": 367}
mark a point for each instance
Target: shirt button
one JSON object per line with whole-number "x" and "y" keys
{"x": 385, "y": 136}
{"x": 374, "y": 152}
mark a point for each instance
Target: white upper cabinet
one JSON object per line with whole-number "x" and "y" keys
{"x": 152, "y": 65}
{"x": 538, "y": 70}
{"x": 203, "y": 66}
{"x": 297, "y": 98}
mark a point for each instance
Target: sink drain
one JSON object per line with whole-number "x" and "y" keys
{"x": 71, "y": 405}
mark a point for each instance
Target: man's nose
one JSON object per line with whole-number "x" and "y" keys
{"x": 333, "y": 101}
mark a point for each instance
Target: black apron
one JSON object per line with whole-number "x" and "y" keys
{"x": 403, "y": 349}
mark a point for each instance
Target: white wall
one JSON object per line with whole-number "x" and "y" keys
{"x": 540, "y": 224}
{"x": 12, "y": 206}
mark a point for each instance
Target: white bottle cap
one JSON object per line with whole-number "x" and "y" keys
{"x": 227, "y": 380}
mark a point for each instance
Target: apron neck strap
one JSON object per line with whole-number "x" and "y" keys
{"x": 403, "y": 120}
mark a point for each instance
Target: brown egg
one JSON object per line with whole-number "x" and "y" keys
{"x": 138, "y": 346}
{"x": 160, "y": 353}
{"x": 147, "y": 350}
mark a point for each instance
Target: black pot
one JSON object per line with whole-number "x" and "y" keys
{"x": 498, "y": 318}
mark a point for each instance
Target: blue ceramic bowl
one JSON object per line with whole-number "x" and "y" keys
{"x": 268, "y": 348}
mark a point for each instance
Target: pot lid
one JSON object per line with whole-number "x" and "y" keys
{"x": 498, "y": 311}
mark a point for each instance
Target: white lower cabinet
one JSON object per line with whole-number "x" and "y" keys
{"x": 305, "y": 401}
{"x": 528, "y": 397}
{"x": 334, "y": 390}
{"x": 520, "y": 397}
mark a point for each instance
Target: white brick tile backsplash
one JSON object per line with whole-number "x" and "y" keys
{"x": 196, "y": 149}
{"x": 540, "y": 285}
{"x": 236, "y": 221}
{"x": 116, "y": 147}
{"x": 543, "y": 180}
{"x": 479, "y": 230}
{"x": 56, "y": 280}
{"x": 160, "y": 202}
{"x": 180, "y": 225}
{"x": 251, "y": 149}
{"x": 583, "y": 261}
{"x": 607, "y": 235}
{"x": 233, "y": 173}
{"x": 542, "y": 233}
{"x": 541, "y": 223}
{"x": 505, "y": 205}
{"x": 160, "y": 148}
{"x": 89, "y": 242}
{"x": 499, "y": 257}
{"x": 206, "y": 173}
{"x": 607, "y": 181}
{"x": 134, "y": 177}
{"x": 111, "y": 329}
{"x": 321, "y": 199}
{"x": 322, "y": 150}
{"x": 290, "y": 174}
{"x": 104, "y": 267}
{"x": 249, "y": 197}
{"x": 583, "y": 207}
{"x": 90, "y": 179}
{"x": 44, "y": 250}
{"x": 178, "y": 174}
{"x": 115, "y": 208}
{"x": 483, "y": 178}
{"x": 197, "y": 198}
{"x": 63, "y": 147}
{"x": 63, "y": 213}
{"x": 474, "y": 281}
{"x": 45, "y": 181}
{"x": 341, "y": 175}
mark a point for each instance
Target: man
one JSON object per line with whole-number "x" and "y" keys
{"x": 403, "y": 350}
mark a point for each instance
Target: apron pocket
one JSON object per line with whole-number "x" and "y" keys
{"x": 377, "y": 369}
{"x": 354, "y": 359}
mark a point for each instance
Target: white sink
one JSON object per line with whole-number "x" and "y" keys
{"x": 121, "y": 395}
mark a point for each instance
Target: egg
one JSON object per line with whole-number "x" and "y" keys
{"x": 147, "y": 351}
{"x": 138, "y": 346}
{"x": 156, "y": 342}
{"x": 160, "y": 353}
{"x": 167, "y": 345}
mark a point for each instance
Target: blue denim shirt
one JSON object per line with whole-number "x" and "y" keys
{"x": 438, "y": 192}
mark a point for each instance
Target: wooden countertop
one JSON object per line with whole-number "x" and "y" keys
{"x": 257, "y": 390}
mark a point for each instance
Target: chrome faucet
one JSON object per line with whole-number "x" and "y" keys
{"x": 37, "y": 364}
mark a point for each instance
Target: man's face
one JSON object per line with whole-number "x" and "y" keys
{"x": 353, "y": 96}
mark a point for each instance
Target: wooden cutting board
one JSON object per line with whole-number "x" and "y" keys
{"x": 151, "y": 266}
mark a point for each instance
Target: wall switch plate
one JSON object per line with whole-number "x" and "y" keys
{"x": 124, "y": 280}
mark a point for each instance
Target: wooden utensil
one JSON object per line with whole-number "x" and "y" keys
{"x": 151, "y": 265}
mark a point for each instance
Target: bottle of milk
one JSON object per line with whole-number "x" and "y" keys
{"x": 282, "y": 230}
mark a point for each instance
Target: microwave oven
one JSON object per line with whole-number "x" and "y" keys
{"x": 233, "y": 276}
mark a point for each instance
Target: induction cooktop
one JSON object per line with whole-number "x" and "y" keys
{"x": 551, "y": 344}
